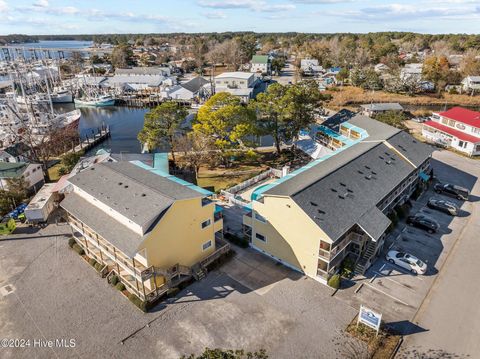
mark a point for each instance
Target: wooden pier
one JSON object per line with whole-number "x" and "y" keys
{"x": 92, "y": 140}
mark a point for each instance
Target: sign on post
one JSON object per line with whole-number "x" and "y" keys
{"x": 369, "y": 318}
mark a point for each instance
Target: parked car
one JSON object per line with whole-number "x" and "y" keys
{"x": 419, "y": 119}
{"x": 424, "y": 222}
{"x": 406, "y": 261}
{"x": 452, "y": 190}
{"x": 443, "y": 206}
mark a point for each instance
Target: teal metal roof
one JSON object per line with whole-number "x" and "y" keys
{"x": 160, "y": 171}
{"x": 329, "y": 132}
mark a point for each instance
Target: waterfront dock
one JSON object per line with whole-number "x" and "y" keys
{"x": 92, "y": 140}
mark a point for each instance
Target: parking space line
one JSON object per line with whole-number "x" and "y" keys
{"x": 383, "y": 276}
{"x": 388, "y": 295}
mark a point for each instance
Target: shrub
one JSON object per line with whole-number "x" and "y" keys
{"x": 347, "y": 267}
{"x": 120, "y": 287}
{"x": 334, "y": 281}
{"x": 78, "y": 249}
{"x": 71, "y": 242}
{"x": 98, "y": 266}
{"x": 114, "y": 280}
{"x": 137, "y": 301}
{"x": 251, "y": 156}
{"x": 92, "y": 262}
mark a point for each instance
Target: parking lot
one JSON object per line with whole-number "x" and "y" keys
{"x": 48, "y": 292}
{"x": 394, "y": 291}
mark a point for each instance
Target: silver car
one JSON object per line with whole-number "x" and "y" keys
{"x": 406, "y": 261}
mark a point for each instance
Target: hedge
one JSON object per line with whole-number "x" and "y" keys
{"x": 137, "y": 301}
{"x": 120, "y": 287}
{"x": 114, "y": 280}
{"x": 71, "y": 242}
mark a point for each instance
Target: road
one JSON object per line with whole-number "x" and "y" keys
{"x": 449, "y": 314}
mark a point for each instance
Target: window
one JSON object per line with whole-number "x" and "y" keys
{"x": 461, "y": 144}
{"x": 260, "y": 237}
{"x": 206, "y": 223}
{"x": 260, "y": 218}
{"x": 451, "y": 123}
{"x": 206, "y": 245}
{"x": 476, "y": 130}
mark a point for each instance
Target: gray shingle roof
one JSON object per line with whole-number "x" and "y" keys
{"x": 374, "y": 223}
{"x": 132, "y": 191}
{"x": 195, "y": 84}
{"x": 105, "y": 226}
{"x": 411, "y": 148}
{"x": 350, "y": 194}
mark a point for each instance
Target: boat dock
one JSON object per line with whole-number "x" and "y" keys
{"x": 92, "y": 140}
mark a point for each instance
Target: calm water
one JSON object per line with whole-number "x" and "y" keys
{"x": 66, "y": 45}
{"x": 125, "y": 123}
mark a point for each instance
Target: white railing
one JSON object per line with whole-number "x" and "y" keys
{"x": 248, "y": 183}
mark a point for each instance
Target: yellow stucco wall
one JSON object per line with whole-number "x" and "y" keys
{"x": 291, "y": 235}
{"x": 178, "y": 237}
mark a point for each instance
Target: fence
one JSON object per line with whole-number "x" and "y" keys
{"x": 248, "y": 183}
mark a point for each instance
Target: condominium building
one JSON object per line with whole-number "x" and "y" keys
{"x": 151, "y": 229}
{"x": 337, "y": 205}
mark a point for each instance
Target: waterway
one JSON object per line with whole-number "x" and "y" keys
{"x": 68, "y": 46}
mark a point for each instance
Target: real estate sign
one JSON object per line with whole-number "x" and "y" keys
{"x": 369, "y": 318}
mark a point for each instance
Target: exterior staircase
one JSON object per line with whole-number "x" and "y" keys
{"x": 362, "y": 264}
{"x": 199, "y": 272}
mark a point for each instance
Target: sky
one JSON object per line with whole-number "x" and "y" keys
{"x": 163, "y": 16}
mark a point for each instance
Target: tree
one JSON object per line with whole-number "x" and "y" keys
{"x": 161, "y": 123}
{"x": 248, "y": 46}
{"x": 392, "y": 118}
{"x": 224, "y": 118}
{"x": 198, "y": 150}
{"x": 228, "y": 354}
{"x": 303, "y": 100}
{"x": 13, "y": 194}
{"x": 278, "y": 63}
{"x": 270, "y": 108}
{"x": 68, "y": 162}
{"x": 122, "y": 56}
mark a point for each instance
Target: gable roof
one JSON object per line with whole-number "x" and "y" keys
{"x": 390, "y": 106}
{"x": 350, "y": 194}
{"x": 12, "y": 169}
{"x": 236, "y": 74}
{"x": 195, "y": 84}
{"x": 463, "y": 115}
{"x": 134, "y": 192}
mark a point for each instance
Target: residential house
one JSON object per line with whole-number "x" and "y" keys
{"x": 144, "y": 71}
{"x": 471, "y": 84}
{"x": 411, "y": 72}
{"x": 339, "y": 202}
{"x": 310, "y": 67}
{"x": 17, "y": 152}
{"x": 374, "y": 109}
{"x": 31, "y": 172}
{"x": 240, "y": 84}
{"x": 457, "y": 128}
{"x": 261, "y": 64}
{"x": 198, "y": 87}
{"x": 151, "y": 229}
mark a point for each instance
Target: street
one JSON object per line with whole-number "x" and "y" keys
{"x": 449, "y": 314}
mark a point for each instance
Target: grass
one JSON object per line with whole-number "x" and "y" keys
{"x": 350, "y": 96}
{"x": 53, "y": 172}
{"x": 243, "y": 169}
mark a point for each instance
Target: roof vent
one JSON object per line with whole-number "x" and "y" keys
{"x": 342, "y": 196}
{"x": 381, "y": 157}
{"x": 313, "y": 204}
{"x": 343, "y": 184}
{"x": 144, "y": 195}
{"x": 388, "y": 162}
{"x": 367, "y": 167}
{"x": 360, "y": 172}
{"x": 333, "y": 190}
{"x": 374, "y": 173}
{"x": 349, "y": 190}
{"x": 126, "y": 186}
{"x": 369, "y": 177}
{"x": 321, "y": 212}
{"x": 92, "y": 168}
{"x": 120, "y": 183}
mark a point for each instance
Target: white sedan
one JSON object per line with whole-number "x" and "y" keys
{"x": 406, "y": 261}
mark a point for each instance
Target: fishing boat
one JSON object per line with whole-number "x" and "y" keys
{"x": 100, "y": 101}
{"x": 61, "y": 95}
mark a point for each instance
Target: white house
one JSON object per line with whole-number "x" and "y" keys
{"x": 196, "y": 87}
{"x": 310, "y": 67}
{"x": 260, "y": 64}
{"x": 240, "y": 84}
{"x": 457, "y": 128}
{"x": 471, "y": 83}
{"x": 411, "y": 71}
{"x": 31, "y": 172}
